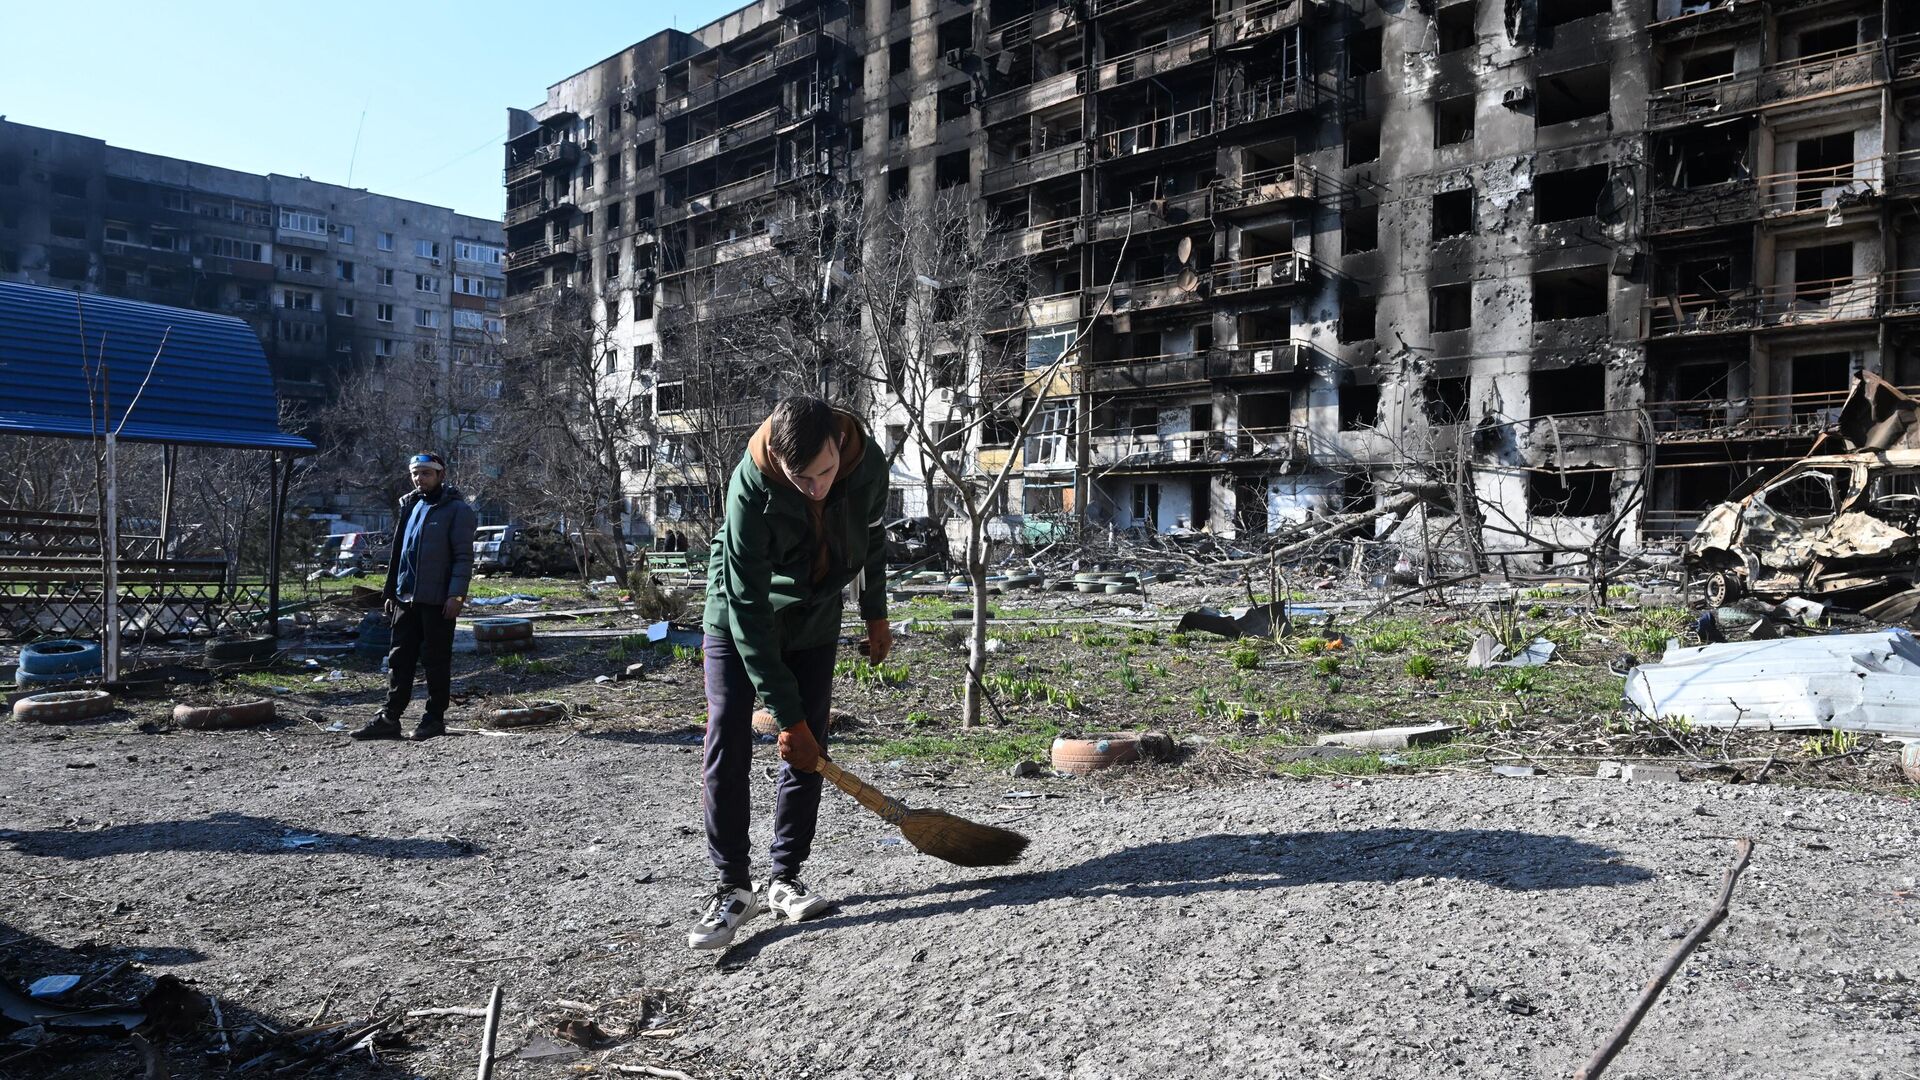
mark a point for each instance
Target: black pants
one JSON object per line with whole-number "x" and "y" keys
{"x": 729, "y": 760}
{"x": 422, "y": 634}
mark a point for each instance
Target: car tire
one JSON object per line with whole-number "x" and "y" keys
{"x": 63, "y": 705}
{"x": 258, "y": 649}
{"x": 1078, "y": 757}
{"x": 64, "y": 657}
{"x": 224, "y": 717}
{"x": 502, "y": 629}
{"x": 1723, "y": 587}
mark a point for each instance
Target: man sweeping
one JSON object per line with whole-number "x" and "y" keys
{"x": 803, "y": 520}
{"x": 427, "y": 577}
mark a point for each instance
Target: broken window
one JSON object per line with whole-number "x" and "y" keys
{"x": 1364, "y": 51}
{"x": 956, "y": 35}
{"x": 1823, "y": 162}
{"x": 1702, "y": 66}
{"x": 1840, "y": 37}
{"x": 896, "y": 183}
{"x": 1567, "y": 391}
{"x": 897, "y": 120}
{"x": 899, "y": 57}
{"x": 1568, "y": 194}
{"x": 1363, "y": 141}
{"x": 1819, "y": 384}
{"x": 1586, "y": 493}
{"x": 1453, "y": 120}
{"x": 1571, "y": 95}
{"x": 1359, "y": 407}
{"x": 1357, "y": 317}
{"x": 1552, "y": 13}
{"x": 1267, "y": 412}
{"x": 952, "y": 104}
{"x": 1450, "y": 307}
{"x": 950, "y": 170}
{"x": 1812, "y": 494}
{"x": 1357, "y": 492}
{"x": 66, "y": 265}
{"x": 1446, "y": 400}
{"x": 1816, "y": 270}
{"x": 1452, "y": 213}
{"x": 1453, "y": 27}
{"x": 1578, "y": 292}
{"x": 1359, "y": 229}
{"x": 69, "y": 184}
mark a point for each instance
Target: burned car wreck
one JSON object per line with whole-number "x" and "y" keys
{"x": 1842, "y": 523}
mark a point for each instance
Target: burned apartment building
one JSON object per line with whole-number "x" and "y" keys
{"x": 333, "y": 279}
{"x": 1598, "y": 258}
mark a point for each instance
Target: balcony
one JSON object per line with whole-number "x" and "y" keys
{"x": 1707, "y": 206}
{"x": 1292, "y": 95}
{"x": 532, "y": 300}
{"x": 1149, "y": 294}
{"x": 1051, "y": 310}
{"x": 1153, "y": 60}
{"x": 739, "y": 78}
{"x": 1676, "y": 19}
{"x": 1750, "y": 417}
{"x": 1192, "y": 208}
{"x": 1151, "y": 452}
{"x": 554, "y": 155}
{"x": 730, "y": 194}
{"x": 1059, "y": 161}
{"x": 1790, "y": 304}
{"x": 1164, "y": 133}
{"x": 1854, "y": 68}
{"x": 1049, "y": 20}
{"x": 1259, "y": 18}
{"x": 541, "y": 251}
{"x": 1150, "y": 373}
{"x": 732, "y": 137}
{"x": 1268, "y": 188}
{"x": 1042, "y": 94}
{"x": 1828, "y": 191}
{"x": 1286, "y": 270}
{"x": 804, "y": 47}
{"x": 1034, "y": 239}
{"x": 1256, "y": 359}
{"x": 539, "y": 208}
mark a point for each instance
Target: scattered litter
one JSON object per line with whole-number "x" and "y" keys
{"x": 1314, "y": 753}
{"x": 1854, "y": 682}
{"x": 541, "y": 1047}
{"x": 1801, "y": 608}
{"x": 1607, "y": 770}
{"x": 1533, "y": 655}
{"x": 1637, "y": 773}
{"x": 603, "y": 679}
{"x": 336, "y": 675}
{"x": 891, "y": 841}
{"x": 1515, "y": 770}
{"x": 337, "y": 725}
{"x": 497, "y": 601}
{"x": 1237, "y": 622}
{"x": 299, "y": 840}
{"x": 1392, "y": 738}
{"x": 1022, "y": 770}
{"x": 1486, "y": 649}
{"x": 52, "y": 986}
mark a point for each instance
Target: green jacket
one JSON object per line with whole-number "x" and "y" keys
{"x": 762, "y": 589}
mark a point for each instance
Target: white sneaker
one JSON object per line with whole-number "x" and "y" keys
{"x": 790, "y": 899}
{"x": 727, "y": 908}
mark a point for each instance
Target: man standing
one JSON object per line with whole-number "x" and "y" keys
{"x": 803, "y": 522}
{"x": 426, "y": 587}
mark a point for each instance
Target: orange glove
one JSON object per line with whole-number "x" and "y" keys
{"x": 799, "y": 749}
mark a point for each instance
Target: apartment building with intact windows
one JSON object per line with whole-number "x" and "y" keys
{"x": 1600, "y": 259}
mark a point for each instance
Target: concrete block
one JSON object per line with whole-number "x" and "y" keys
{"x": 1393, "y": 738}
{"x": 1636, "y": 773}
{"x": 1607, "y": 770}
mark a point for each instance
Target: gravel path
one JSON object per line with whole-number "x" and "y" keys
{"x": 1386, "y": 928}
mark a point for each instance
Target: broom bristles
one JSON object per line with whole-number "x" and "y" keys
{"x": 959, "y": 841}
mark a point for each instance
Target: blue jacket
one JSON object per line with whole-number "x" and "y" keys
{"x": 444, "y": 565}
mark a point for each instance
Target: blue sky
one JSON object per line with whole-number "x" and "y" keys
{"x": 276, "y": 88}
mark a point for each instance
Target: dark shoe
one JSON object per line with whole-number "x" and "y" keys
{"x": 431, "y": 727}
{"x": 377, "y": 728}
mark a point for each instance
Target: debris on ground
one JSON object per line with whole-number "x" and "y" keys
{"x": 1853, "y": 682}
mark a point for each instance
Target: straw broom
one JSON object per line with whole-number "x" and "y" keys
{"x": 932, "y": 832}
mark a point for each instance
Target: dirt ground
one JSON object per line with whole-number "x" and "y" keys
{"x": 1242, "y": 911}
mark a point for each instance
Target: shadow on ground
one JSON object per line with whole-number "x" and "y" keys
{"x": 1235, "y": 863}
{"x": 224, "y": 832}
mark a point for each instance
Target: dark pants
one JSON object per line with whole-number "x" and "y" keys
{"x": 422, "y": 634}
{"x": 796, "y": 807}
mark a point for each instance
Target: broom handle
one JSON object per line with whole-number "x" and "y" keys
{"x": 864, "y": 793}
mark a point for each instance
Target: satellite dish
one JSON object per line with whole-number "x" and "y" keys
{"x": 1185, "y": 250}
{"x": 1189, "y": 280}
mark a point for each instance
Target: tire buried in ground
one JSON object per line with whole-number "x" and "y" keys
{"x": 496, "y": 648}
{"x": 230, "y": 652}
{"x": 63, "y": 705}
{"x": 1078, "y": 757}
{"x": 237, "y": 714}
{"x": 531, "y": 715}
{"x": 502, "y": 629}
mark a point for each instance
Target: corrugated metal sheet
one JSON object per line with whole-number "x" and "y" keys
{"x": 210, "y": 387}
{"x": 1856, "y": 682}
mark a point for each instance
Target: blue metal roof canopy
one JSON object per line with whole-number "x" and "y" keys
{"x": 210, "y": 387}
